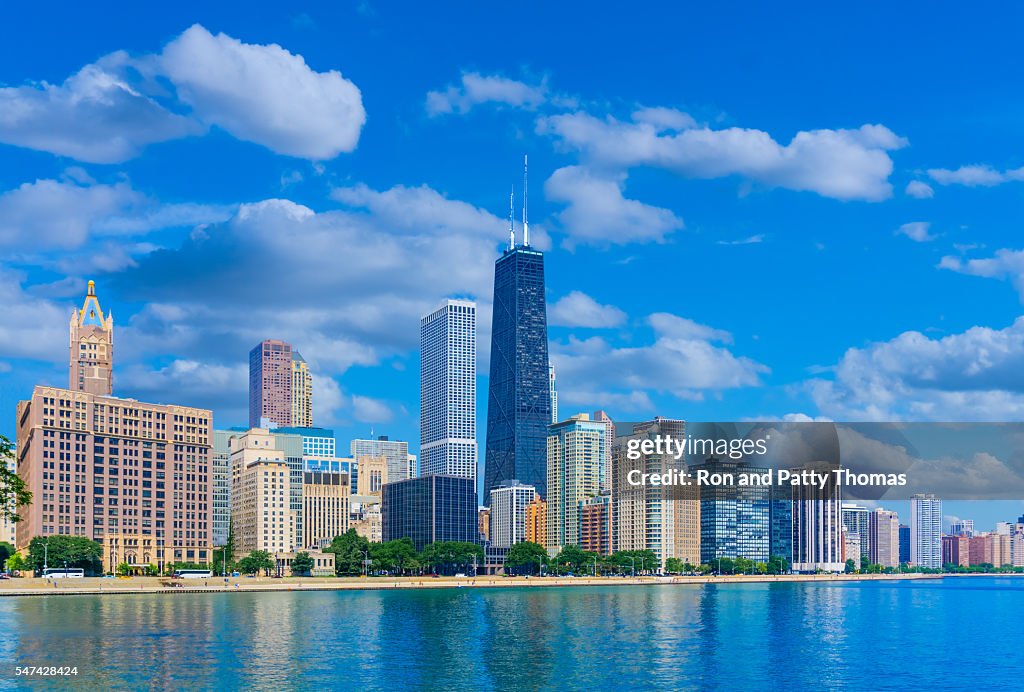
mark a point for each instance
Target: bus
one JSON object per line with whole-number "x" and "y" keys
{"x": 64, "y": 573}
{"x": 192, "y": 574}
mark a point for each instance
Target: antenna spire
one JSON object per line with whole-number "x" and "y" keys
{"x": 526, "y": 199}
{"x": 511, "y": 222}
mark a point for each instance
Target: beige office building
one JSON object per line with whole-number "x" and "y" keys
{"x": 261, "y": 518}
{"x": 576, "y": 450}
{"x": 99, "y": 466}
{"x": 884, "y": 538}
{"x": 372, "y": 475}
{"x": 325, "y": 503}
{"x": 302, "y": 392}
{"x": 663, "y": 519}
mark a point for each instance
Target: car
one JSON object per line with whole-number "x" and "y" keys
{"x": 460, "y": 575}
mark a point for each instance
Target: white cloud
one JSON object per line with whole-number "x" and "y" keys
{"x": 368, "y": 410}
{"x": 843, "y": 164}
{"x": 599, "y": 214}
{"x": 264, "y": 94}
{"x": 580, "y": 310}
{"x": 919, "y": 189}
{"x": 94, "y": 116}
{"x": 475, "y": 89}
{"x": 916, "y": 231}
{"x": 112, "y": 109}
{"x": 749, "y": 240}
{"x": 34, "y": 327}
{"x": 684, "y": 362}
{"x": 974, "y": 176}
{"x": 50, "y": 214}
{"x": 974, "y": 375}
{"x": 1006, "y": 263}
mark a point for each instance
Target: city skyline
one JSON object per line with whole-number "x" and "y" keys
{"x": 388, "y": 195}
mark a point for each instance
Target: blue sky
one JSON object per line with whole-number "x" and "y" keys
{"x": 749, "y": 212}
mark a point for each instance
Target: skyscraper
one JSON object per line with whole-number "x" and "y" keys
{"x": 884, "y": 537}
{"x": 92, "y": 348}
{"x": 270, "y": 383}
{"x": 553, "y": 389}
{"x": 519, "y": 394}
{"x": 508, "y": 505}
{"x": 575, "y": 463}
{"x": 855, "y": 521}
{"x": 734, "y": 519}
{"x": 395, "y": 451}
{"x": 448, "y": 390}
{"x": 926, "y": 530}
{"x": 817, "y": 526}
{"x": 302, "y": 392}
{"x": 429, "y": 509}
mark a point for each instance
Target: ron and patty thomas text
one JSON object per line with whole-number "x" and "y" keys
{"x": 737, "y": 449}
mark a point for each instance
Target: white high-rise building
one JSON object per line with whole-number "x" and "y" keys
{"x": 926, "y": 530}
{"x": 817, "y": 526}
{"x": 395, "y": 451}
{"x": 508, "y": 513}
{"x": 554, "y": 394}
{"x": 448, "y": 390}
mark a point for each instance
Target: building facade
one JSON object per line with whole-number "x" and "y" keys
{"x": 855, "y": 521}
{"x": 595, "y": 524}
{"x": 396, "y": 452}
{"x": 817, "y": 526}
{"x": 537, "y": 522}
{"x": 663, "y": 519}
{"x": 884, "y": 537}
{"x": 325, "y": 508}
{"x": 734, "y": 519}
{"x": 575, "y": 462}
{"x": 519, "y": 396}
{"x": 926, "y": 530}
{"x": 956, "y": 550}
{"x": 262, "y": 517}
{"x": 302, "y": 392}
{"x": 429, "y": 509}
{"x": 508, "y": 513}
{"x": 91, "y": 363}
{"x": 448, "y": 443}
{"x": 270, "y": 383}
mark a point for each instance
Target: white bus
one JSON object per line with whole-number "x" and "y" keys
{"x": 64, "y": 573}
{"x": 192, "y": 574}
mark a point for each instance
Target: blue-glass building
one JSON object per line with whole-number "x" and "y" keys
{"x": 781, "y": 521}
{"x": 519, "y": 394}
{"x": 734, "y": 518}
{"x": 428, "y": 509}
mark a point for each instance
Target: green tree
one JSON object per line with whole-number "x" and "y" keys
{"x": 449, "y": 557}
{"x": 124, "y": 569}
{"x": 13, "y": 493}
{"x": 302, "y": 565}
{"x": 16, "y": 563}
{"x": 6, "y": 550}
{"x": 525, "y": 558}
{"x": 256, "y": 561}
{"x": 674, "y": 565}
{"x": 394, "y": 557}
{"x": 574, "y": 560}
{"x": 777, "y": 565}
{"x": 851, "y": 566}
{"x": 350, "y": 550}
{"x": 626, "y": 561}
{"x": 152, "y": 571}
{"x": 56, "y": 551}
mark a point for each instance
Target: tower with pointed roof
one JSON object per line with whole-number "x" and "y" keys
{"x": 91, "y": 360}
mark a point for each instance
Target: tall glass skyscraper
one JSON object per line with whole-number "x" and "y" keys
{"x": 926, "y": 530}
{"x": 519, "y": 396}
{"x": 448, "y": 390}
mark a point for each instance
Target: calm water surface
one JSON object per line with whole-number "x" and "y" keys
{"x": 877, "y": 635}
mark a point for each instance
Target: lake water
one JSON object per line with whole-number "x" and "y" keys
{"x": 954, "y": 633}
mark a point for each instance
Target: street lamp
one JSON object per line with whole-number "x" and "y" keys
{"x": 595, "y": 567}
{"x": 632, "y": 565}
{"x": 46, "y": 554}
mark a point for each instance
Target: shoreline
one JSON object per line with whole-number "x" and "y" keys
{"x": 94, "y": 586}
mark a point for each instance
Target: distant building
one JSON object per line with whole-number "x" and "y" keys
{"x": 325, "y": 505}
{"x": 904, "y": 544}
{"x": 373, "y": 474}
{"x": 261, "y": 513}
{"x": 595, "y": 524}
{"x": 817, "y": 527}
{"x": 396, "y": 452}
{"x": 302, "y": 392}
{"x": 122, "y": 472}
{"x": 990, "y": 549}
{"x": 91, "y": 364}
{"x": 956, "y": 550}
{"x": 508, "y": 513}
{"x": 855, "y": 521}
{"x": 448, "y": 443}
{"x": 609, "y": 439}
{"x": 734, "y": 519}
{"x": 484, "y": 523}
{"x": 926, "y": 530}
{"x": 553, "y": 393}
{"x": 576, "y": 460}
{"x": 780, "y": 522}
{"x": 851, "y": 546}
{"x": 270, "y": 383}
{"x": 7, "y": 530}
{"x": 962, "y": 527}
{"x": 663, "y": 519}
{"x": 429, "y": 509}
{"x": 884, "y": 537}
{"x": 317, "y": 443}
{"x": 537, "y": 522}
{"x": 519, "y": 394}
